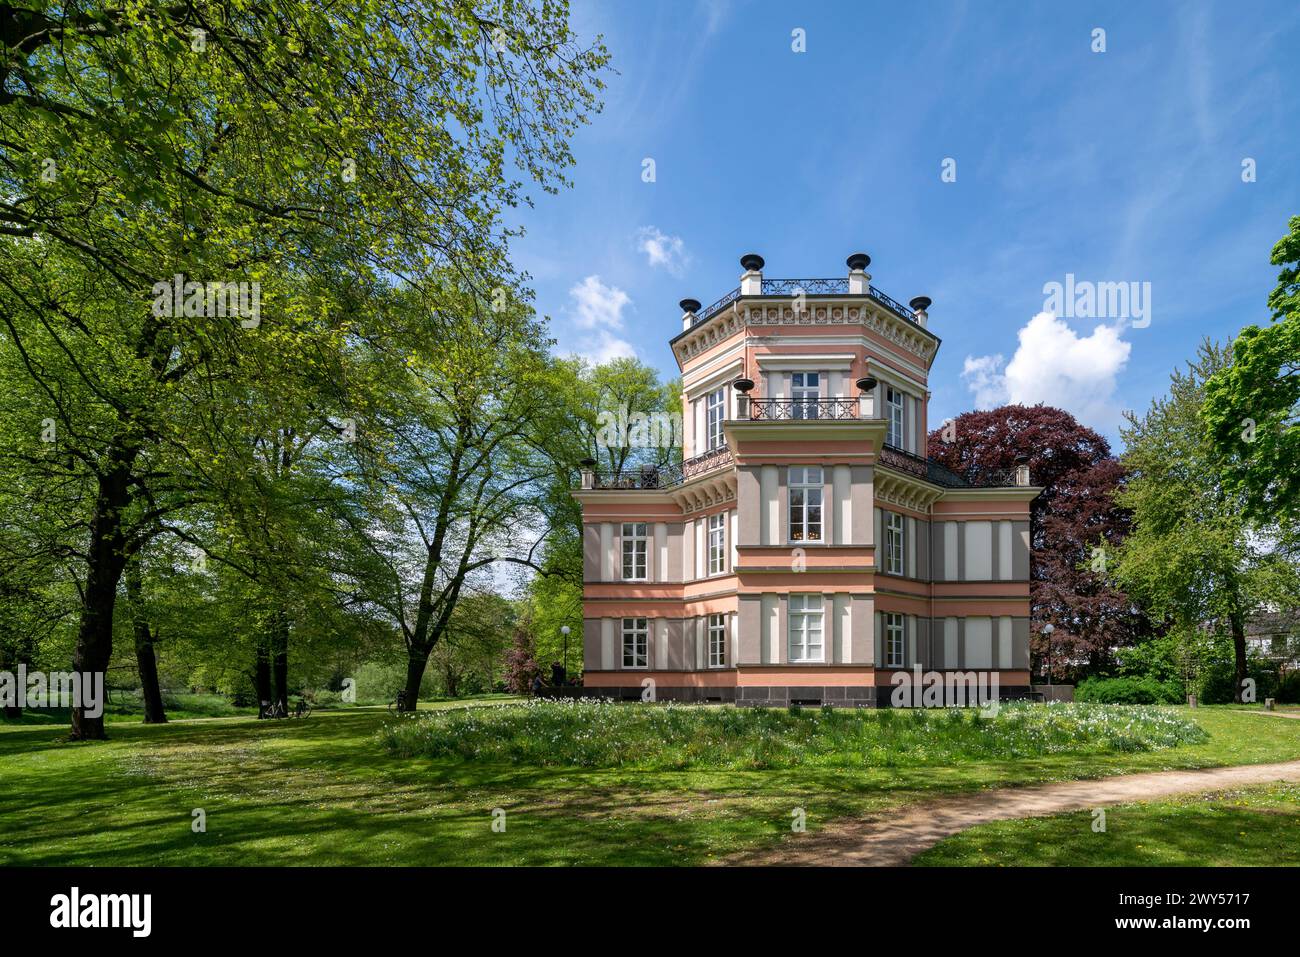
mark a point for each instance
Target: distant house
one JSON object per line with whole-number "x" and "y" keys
{"x": 1275, "y": 635}
{"x": 807, "y": 550}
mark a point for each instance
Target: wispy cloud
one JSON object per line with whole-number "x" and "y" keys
{"x": 662, "y": 250}
{"x": 598, "y": 308}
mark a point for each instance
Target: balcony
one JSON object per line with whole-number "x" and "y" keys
{"x": 650, "y": 477}
{"x": 808, "y": 287}
{"x": 785, "y": 410}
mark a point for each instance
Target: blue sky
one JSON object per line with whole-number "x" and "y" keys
{"x": 1115, "y": 166}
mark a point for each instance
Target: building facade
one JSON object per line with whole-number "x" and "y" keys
{"x": 806, "y": 550}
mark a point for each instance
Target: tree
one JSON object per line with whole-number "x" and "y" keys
{"x": 262, "y": 144}
{"x": 1252, "y": 406}
{"x": 1192, "y": 556}
{"x": 1075, "y": 515}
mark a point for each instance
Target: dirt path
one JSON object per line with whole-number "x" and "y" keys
{"x": 880, "y": 841}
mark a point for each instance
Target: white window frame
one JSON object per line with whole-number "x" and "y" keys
{"x": 894, "y": 400}
{"x": 717, "y": 641}
{"x": 636, "y": 643}
{"x": 715, "y": 413}
{"x": 895, "y": 543}
{"x": 717, "y": 543}
{"x": 805, "y": 487}
{"x": 806, "y": 611}
{"x": 804, "y": 395}
{"x": 895, "y": 640}
{"x": 635, "y": 558}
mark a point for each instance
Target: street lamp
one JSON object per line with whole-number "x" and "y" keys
{"x": 564, "y": 630}
{"x": 1047, "y": 632}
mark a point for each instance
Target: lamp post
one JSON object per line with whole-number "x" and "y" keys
{"x": 564, "y": 630}
{"x": 1047, "y": 631}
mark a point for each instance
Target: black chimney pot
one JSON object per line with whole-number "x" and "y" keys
{"x": 751, "y": 262}
{"x": 858, "y": 261}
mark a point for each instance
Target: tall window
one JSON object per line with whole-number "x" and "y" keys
{"x": 634, "y": 551}
{"x": 718, "y": 543}
{"x": 636, "y": 643}
{"x": 894, "y": 640}
{"x": 717, "y": 641}
{"x": 805, "y": 388}
{"x": 805, "y": 503}
{"x": 806, "y": 627}
{"x": 894, "y": 559}
{"x": 715, "y": 407}
{"x": 894, "y": 406}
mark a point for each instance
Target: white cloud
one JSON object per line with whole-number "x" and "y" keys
{"x": 1056, "y": 366}
{"x": 661, "y": 249}
{"x": 598, "y": 308}
{"x": 597, "y": 305}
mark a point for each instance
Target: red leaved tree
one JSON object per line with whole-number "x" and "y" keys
{"x": 1074, "y": 516}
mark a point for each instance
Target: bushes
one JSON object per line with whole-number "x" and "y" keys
{"x": 1129, "y": 690}
{"x": 1288, "y": 689}
{"x": 1218, "y": 682}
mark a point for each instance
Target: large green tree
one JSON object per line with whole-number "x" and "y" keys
{"x": 299, "y": 148}
{"x": 1252, "y": 406}
{"x": 1193, "y": 558}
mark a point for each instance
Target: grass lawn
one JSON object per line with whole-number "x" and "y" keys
{"x": 1258, "y": 827}
{"x": 327, "y": 791}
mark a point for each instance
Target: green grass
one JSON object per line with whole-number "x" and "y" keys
{"x": 1250, "y": 827}
{"x": 604, "y": 734}
{"x": 325, "y": 791}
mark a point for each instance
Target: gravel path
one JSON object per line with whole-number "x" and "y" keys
{"x": 884, "y": 841}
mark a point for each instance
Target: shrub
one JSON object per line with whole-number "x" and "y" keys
{"x": 1288, "y": 689}
{"x": 1218, "y": 682}
{"x": 1129, "y": 690}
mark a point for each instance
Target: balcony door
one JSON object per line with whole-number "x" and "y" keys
{"x": 805, "y": 392}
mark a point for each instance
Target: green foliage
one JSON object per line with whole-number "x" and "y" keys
{"x": 1193, "y": 559}
{"x": 1131, "y": 690}
{"x": 592, "y": 733}
{"x": 1252, "y": 407}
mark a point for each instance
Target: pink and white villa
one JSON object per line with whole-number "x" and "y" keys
{"x": 807, "y": 549}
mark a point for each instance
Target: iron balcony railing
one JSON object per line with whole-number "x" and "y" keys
{"x": 793, "y": 409}
{"x": 661, "y": 476}
{"x": 808, "y": 287}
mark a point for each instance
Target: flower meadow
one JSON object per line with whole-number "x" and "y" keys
{"x": 594, "y": 733}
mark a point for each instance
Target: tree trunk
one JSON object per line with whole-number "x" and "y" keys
{"x": 415, "y": 665}
{"x": 262, "y": 675}
{"x": 145, "y": 659}
{"x": 281, "y": 663}
{"x": 1239, "y": 647}
{"x": 106, "y": 558}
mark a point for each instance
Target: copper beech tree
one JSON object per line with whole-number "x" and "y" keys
{"x": 1074, "y": 523}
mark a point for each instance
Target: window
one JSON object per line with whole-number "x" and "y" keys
{"x": 895, "y": 643}
{"x": 636, "y": 643}
{"x": 805, "y": 503}
{"x": 634, "y": 551}
{"x": 894, "y": 538}
{"x": 805, "y": 627}
{"x": 718, "y": 543}
{"x": 806, "y": 389}
{"x": 716, "y": 412}
{"x": 717, "y": 641}
{"x": 894, "y": 405}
